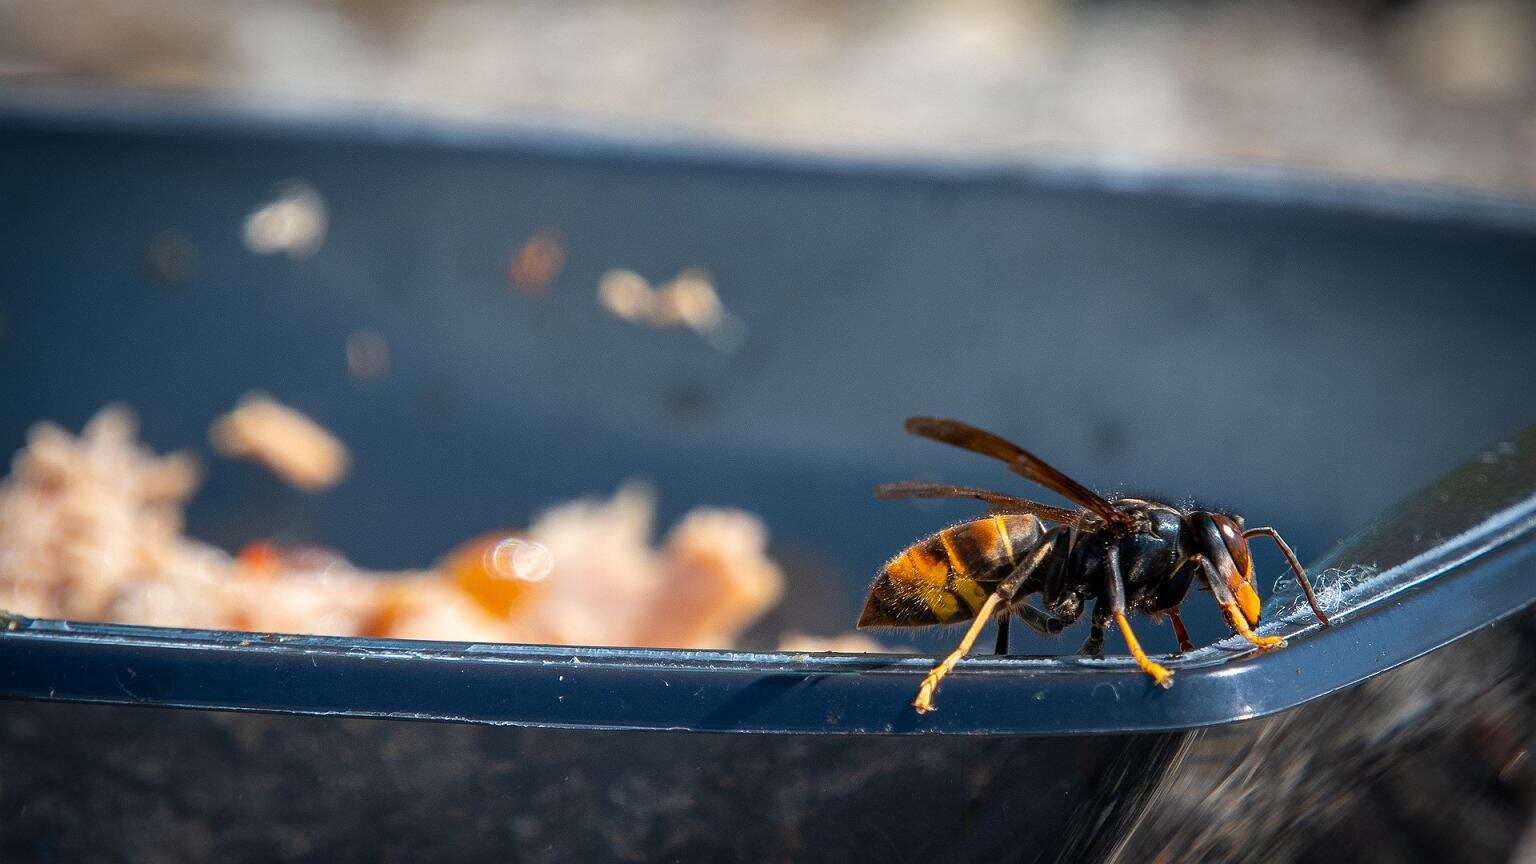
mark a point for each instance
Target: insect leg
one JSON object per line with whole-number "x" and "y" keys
{"x": 1179, "y": 631}
{"x": 1228, "y": 605}
{"x": 1034, "y": 619}
{"x": 1301, "y": 575}
{"x": 1093, "y": 646}
{"x": 1004, "y": 592}
{"x": 1116, "y": 591}
{"x": 924, "y": 701}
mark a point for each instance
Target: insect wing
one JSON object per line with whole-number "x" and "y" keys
{"x": 999, "y": 501}
{"x": 1023, "y": 462}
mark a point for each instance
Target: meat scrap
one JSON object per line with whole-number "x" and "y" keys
{"x": 294, "y": 447}
{"x": 91, "y": 529}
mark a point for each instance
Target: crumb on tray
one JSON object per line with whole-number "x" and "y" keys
{"x": 91, "y": 529}
{"x": 296, "y": 448}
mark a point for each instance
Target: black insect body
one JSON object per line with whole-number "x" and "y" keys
{"x": 1122, "y": 556}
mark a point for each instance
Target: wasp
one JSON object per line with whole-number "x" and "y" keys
{"x": 1124, "y": 555}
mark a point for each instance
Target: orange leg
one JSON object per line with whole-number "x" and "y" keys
{"x": 1228, "y": 604}
{"x": 924, "y": 701}
{"x": 1005, "y": 590}
{"x": 1159, "y": 673}
{"x": 1239, "y": 623}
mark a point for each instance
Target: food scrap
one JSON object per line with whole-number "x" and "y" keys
{"x": 295, "y": 447}
{"x": 293, "y": 222}
{"x": 537, "y": 263}
{"x": 689, "y": 300}
{"x": 91, "y": 529}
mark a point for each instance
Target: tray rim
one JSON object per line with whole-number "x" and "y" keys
{"x": 182, "y": 115}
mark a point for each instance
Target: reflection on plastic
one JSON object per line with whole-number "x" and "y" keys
{"x": 515, "y": 558}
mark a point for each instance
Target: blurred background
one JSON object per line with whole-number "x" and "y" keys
{"x": 1438, "y": 91}
{"x": 425, "y": 301}
{"x": 473, "y": 318}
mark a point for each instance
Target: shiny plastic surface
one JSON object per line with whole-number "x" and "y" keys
{"x": 1454, "y": 558}
{"x": 497, "y": 409}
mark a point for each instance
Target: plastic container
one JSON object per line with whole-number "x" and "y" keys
{"x": 1302, "y": 351}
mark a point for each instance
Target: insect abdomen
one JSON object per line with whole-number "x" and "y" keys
{"x": 945, "y": 577}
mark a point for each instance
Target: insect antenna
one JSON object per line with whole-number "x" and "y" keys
{"x": 1301, "y": 575}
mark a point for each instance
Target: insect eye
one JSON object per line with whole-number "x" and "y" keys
{"x": 1237, "y": 547}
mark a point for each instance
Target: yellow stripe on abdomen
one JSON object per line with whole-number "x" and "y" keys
{"x": 956, "y": 563}
{"x": 1002, "y": 531}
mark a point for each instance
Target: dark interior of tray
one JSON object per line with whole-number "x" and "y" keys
{"x": 1303, "y": 362}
